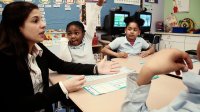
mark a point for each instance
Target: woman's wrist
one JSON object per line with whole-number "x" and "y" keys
{"x": 65, "y": 91}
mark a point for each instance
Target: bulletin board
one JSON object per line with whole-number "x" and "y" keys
{"x": 57, "y": 16}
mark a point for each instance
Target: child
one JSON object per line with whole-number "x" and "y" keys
{"x": 165, "y": 61}
{"x": 131, "y": 44}
{"x": 80, "y": 41}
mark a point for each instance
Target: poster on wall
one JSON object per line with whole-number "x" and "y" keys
{"x": 181, "y": 6}
{"x": 58, "y": 1}
{"x": 132, "y": 2}
{"x": 69, "y": 1}
{"x": 80, "y": 2}
{"x": 32, "y": 1}
{"x": 93, "y": 0}
{"x": 152, "y": 1}
{"x": 83, "y": 14}
{"x": 45, "y": 1}
{"x": 7, "y": 1}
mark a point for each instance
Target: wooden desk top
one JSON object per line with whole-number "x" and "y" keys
{"x": 162, "y": 92}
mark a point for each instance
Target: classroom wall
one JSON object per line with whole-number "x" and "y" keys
{"x": 157, "y": 12}
{"x": 58, "y": 18}
{"x": 192, "y": 14}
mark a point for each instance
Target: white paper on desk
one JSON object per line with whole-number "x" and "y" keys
{"x": 106, "y": 87}
{"x": 96, "y": 77}
{"x": 194, "y": 60}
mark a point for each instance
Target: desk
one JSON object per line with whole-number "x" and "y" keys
{"x": 162, "y": 90}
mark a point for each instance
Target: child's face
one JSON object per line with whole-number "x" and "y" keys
{"x": 75, "y": 35}
{"x": 132, "y": 31}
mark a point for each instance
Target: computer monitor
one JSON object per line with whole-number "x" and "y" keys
{"x": 114, "y": 22}
{"x": 147, "y": 17}
{"x": 119, "y": 20}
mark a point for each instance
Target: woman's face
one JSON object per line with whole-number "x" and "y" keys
{"x": 132, "y": 31}
{"x": 34, "y": 27}
{"x": 75, "y": 35}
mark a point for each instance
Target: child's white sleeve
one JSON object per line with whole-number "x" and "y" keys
{"x": 136, "y": 97}
{"x": 145, "y": 45}
{"x": 92, "y": 12}
{"x": 115, "y": 44}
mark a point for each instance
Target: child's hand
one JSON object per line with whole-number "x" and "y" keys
{"x": 164, "y": 61}
{"x": 74, "y": 83}
{"x": 144, "y": 54}
{"x": 122, "y": 55}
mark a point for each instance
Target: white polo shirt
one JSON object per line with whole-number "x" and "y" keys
{"x": 121, "y": 44}
{"x": 83, "y": 53}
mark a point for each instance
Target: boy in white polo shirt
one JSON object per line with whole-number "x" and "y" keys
{"x": 131, "y": 43}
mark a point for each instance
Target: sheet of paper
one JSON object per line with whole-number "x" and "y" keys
{"x": 106, "y": 87}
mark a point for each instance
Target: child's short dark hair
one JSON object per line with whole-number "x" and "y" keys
{"x": 134, "y": 19}
{"x": 76, "y": 23}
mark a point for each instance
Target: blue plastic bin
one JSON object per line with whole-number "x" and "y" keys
{"x": 179, "y": 30}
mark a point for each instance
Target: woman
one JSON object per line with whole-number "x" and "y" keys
{"x": 25, "y": 85}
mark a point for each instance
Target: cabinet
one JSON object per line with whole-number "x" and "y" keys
{"x": 171, "y": 41}
{"x": 183, "y": 42}
{"x": 191, "y": 43}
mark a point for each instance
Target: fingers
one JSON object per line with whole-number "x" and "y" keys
{"x": 122, "y": 55}
{"x": 115, "y": 64}
{"x": 188, "y": 60}
{"x": 115, "y": 68}
{"x": 80, "y": 80}
{"x": 143, "y": 54}
{"x": 81, "y": 77}
{"x": 105, "y": 58}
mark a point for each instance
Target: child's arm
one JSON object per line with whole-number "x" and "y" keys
{"x": 149, "y": 51}
{"x": 138, "y": 85}
{"x": 162, "y": 62}
{"x": 91, "y": 25}
{"x": 108, "y": 51}
{"x": 198, "y": 50}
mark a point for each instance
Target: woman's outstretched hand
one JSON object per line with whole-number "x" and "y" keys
{"x": 108, "y": 67}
